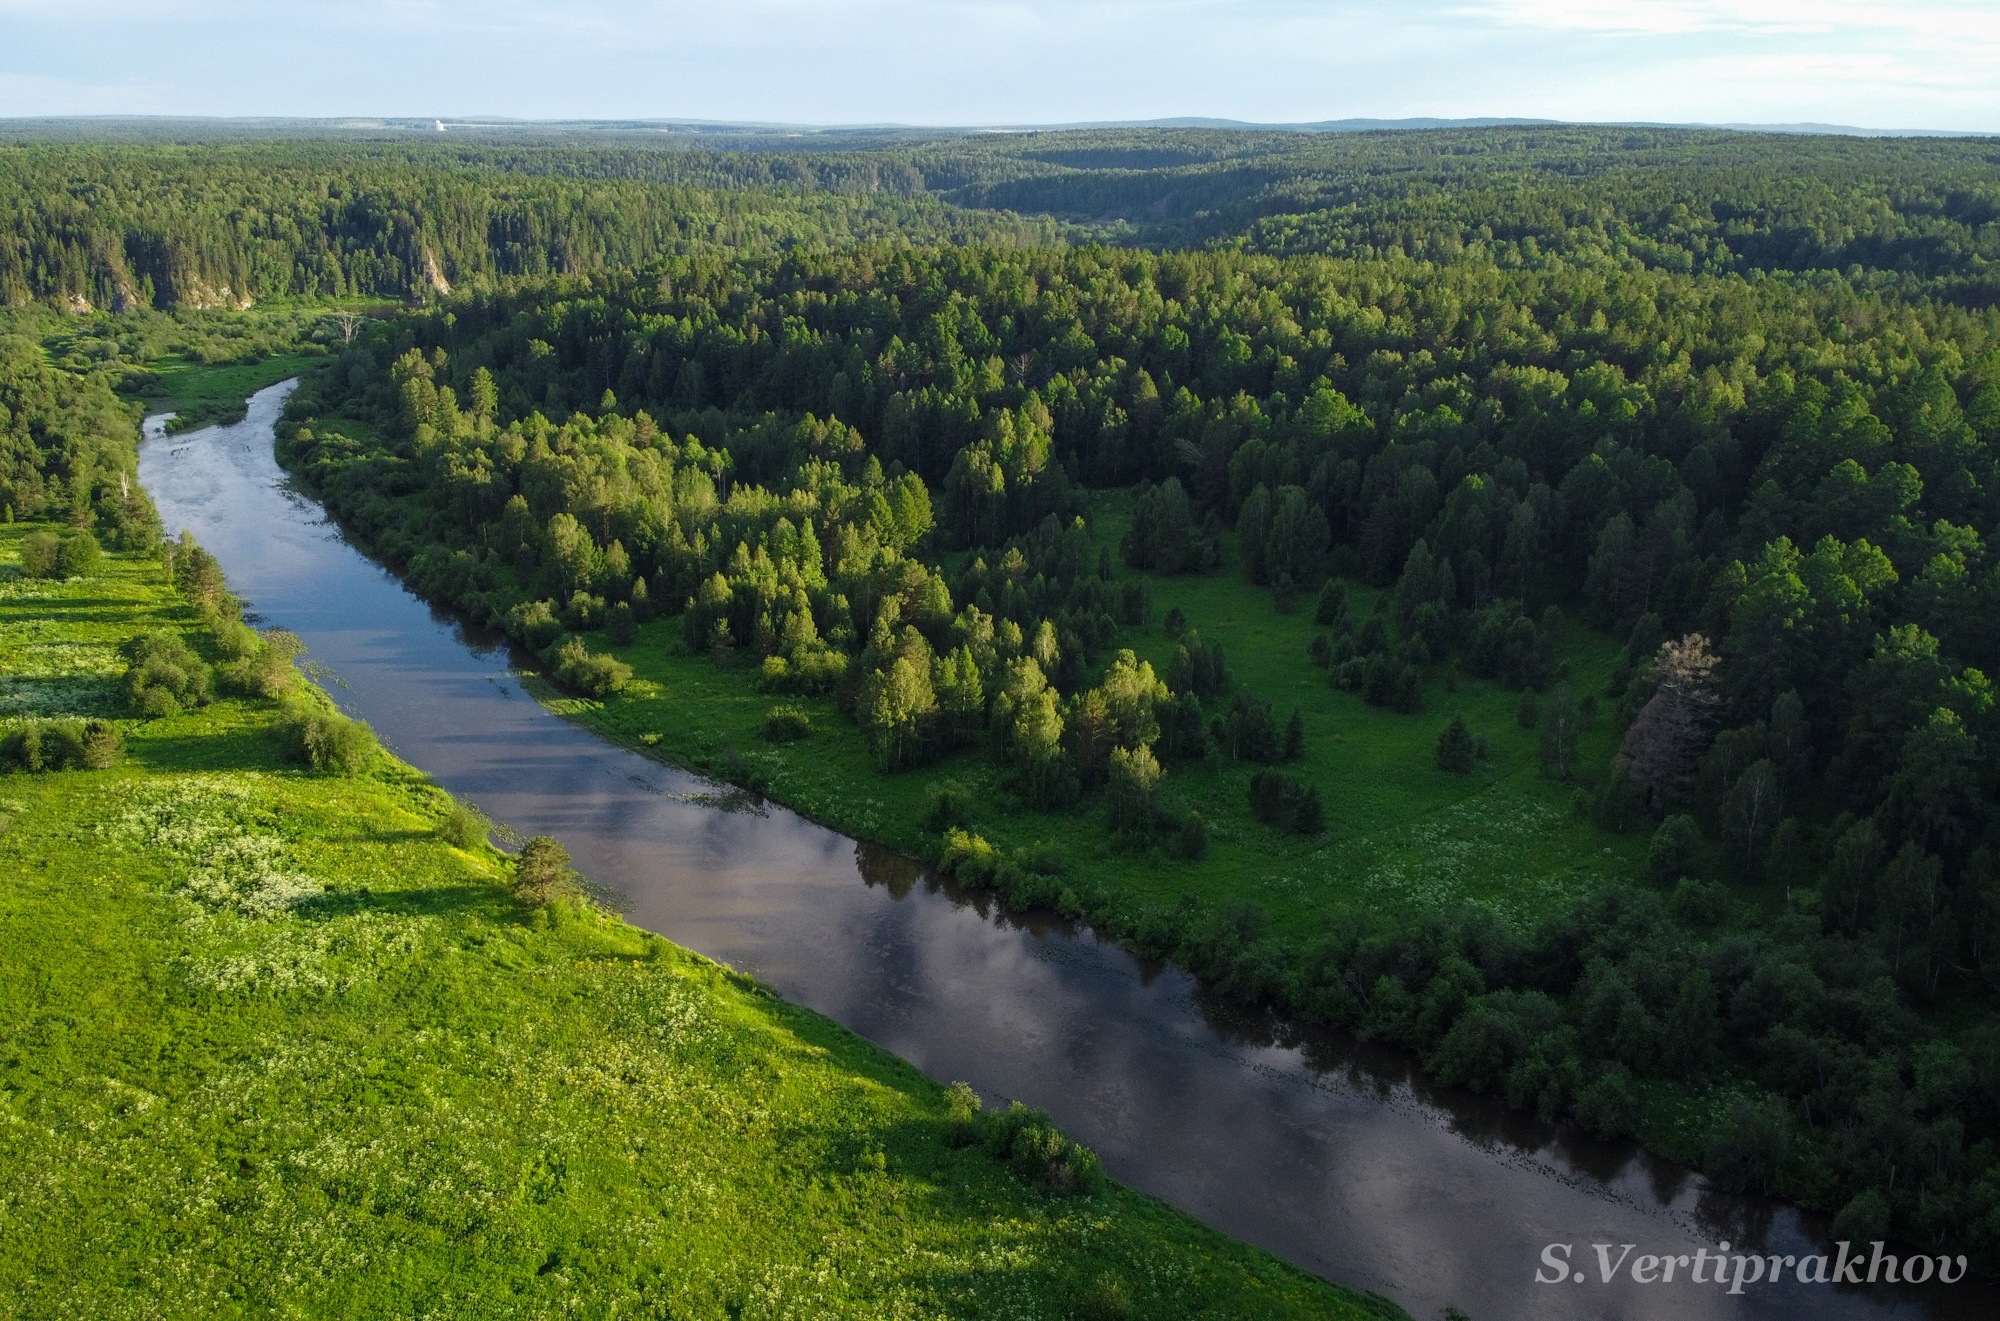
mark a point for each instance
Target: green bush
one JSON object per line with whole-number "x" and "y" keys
{"x": 1675, "y": 851}
{"x": 38, "y": 555}
{"x": 262, "y": 664}
{"x": 968, "y": 857}
{"x": 534, "y": 625}
{"x": 103, "y": 745}
{"x": 1191, "y": 843}
{"x": 326, "y": 740}
{"x": 235, "y": 640}
{"x": 962, "y": 1106}
{"x": 808, "y": 671}
{"x": 464, "y": 827}
{"x": 78, "y": 556}
{"x": 787, "y": 724}
{"x": 621, "y": 625}
{"x": 591, "y": 675}
{"x": 1278, "y": 799}
{"x": 947, "y": 803}
{"x": 163, "y": 676}
{"x": 1040, "y": 1156}
{"x": 62, "y": 745}
{"x": 1107, "y": 1299}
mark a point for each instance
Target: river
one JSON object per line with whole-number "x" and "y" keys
{"x": 1324, "y": 1151}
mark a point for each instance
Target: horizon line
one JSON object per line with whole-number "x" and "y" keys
{"x": 434, "y": 124}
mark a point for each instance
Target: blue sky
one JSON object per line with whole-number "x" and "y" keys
{"x": 1912, "y": 64}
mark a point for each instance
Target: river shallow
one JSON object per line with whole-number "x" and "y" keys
{"x": 1326, "y": 1152}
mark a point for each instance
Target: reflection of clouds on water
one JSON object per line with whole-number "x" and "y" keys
{"x": 1322, "y": 1149}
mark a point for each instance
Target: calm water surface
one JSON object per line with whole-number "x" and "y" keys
{"x": 1321, "y": 1150}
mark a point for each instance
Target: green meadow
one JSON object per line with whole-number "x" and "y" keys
{"x": 271, "y": 1046}
{"x": 201, "y": 394}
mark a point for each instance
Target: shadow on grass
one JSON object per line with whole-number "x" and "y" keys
{"x": 244, "y": 748}
{"x": 489, "y": 902}
{"x": 384, "y": 836}
{"x": 110, "y": 609}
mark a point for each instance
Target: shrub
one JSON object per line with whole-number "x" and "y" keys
{"x": 1295, "y": 736}
{"x": 62, "y": 745}
{"x": 542, "y": 873}
{"x": 103, "y": 745}
{"x": 326, "y": 740}
{"x": 786, "y": 724}
{"x": 1455, "y": 750}
{"x": 78, "y": 556}
{"x": 595, "y": 676}
{"x": 962, "y": 1105}
{"x": 464, "y": 827}
{"x": 1609, "y": 1105}
{"x": 38, "y": 555}
{"x": 163, "y": 676}
{"x": 946, "y": 804}
{"x": 264, "y": 669}
{"x": 534, "y": 625}
{"x": 583, "y": 611}
{"x": 235, "y": 639}
{"x": 1191, "y": 842}
{"x": 1280, "y": 800}
{"x": 1038, "y": 1153}
{"x": 1748, "y": 1144}
{"x": 1701, "y": 905}
{"x": 808, "y": 672}
{"x": 1107, "y": 1299}
{"x": 1864, "y": 1219}
{"x": 1676, "y": 846}
{"x": 1529, "y": 713}
{"x": 1175, "y": 623}
{"x": 621, "y": 625}
{"x": 968, "y": 857}
{"x": 1320, "y": 650}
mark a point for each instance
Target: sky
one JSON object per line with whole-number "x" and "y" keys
{"x": 1930, "y": 64}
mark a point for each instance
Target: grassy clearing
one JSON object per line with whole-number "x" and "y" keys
{"x": 273, "y": 1046}
{"x": 1403, "y": 837}
{"x": 201, "y": 394}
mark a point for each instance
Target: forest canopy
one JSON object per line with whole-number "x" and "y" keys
{"x": 844, "y": 420}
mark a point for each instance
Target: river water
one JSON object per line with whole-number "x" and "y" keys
{"x": 1319, "y": 1149}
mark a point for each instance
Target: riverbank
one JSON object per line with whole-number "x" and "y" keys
{"x": 280, "y": 1045}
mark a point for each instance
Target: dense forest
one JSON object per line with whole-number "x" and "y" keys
{"x": 212, "y": 218}
{"x": 863, "y": 471}
{"x": 68, "y": 448}
{"x": 845, "y": 417}
{"x": 99, "y": 226}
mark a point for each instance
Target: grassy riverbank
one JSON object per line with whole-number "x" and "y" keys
{"x": 1403, "y": 837}
{"x": 201, "y": 394}
{"x": 274, "y": 1046}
